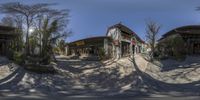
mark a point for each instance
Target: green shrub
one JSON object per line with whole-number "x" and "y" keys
{"x": 102, "y": 53}
{"x": 18, "y": 57}
{"x": 177, "y": 47}
{"x": 174, "y": 46}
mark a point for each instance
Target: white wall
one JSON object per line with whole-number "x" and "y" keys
{"x": 115, "y": 34}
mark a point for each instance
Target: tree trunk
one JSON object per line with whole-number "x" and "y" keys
{"x": 27, "y": 37}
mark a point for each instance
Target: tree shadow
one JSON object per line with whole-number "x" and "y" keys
{"x": 12, "y": 75}
{"x": 105, "y": 80}
{"x": 78, "y": 66}
{"x": 110, "y": 62}
{"x": 155, "y": 85}
{"x": 101, "y": 82}
{"x": 26, "y": 83}
{"x": 171, "y": 64}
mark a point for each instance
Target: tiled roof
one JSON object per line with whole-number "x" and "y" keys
{"x": 194, "y": 29}
{"x": 90, "y": 38}
{"x": 127, "y": 30}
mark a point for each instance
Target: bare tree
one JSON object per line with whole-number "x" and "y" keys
{"x": 152, "y": 30}
{"x": 27, "y": 12}
{"x": 7, "y": 21}
{"x": 50, "y": 25}
{"x": 12, "y": 20}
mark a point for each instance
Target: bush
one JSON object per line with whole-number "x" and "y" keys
{"x": 174, "y": 47}
{"x": 18, "y": 57}
{"x": 38, "y": 68}
{"x": 177, "y": 48}
{"x": 102, "y": 54}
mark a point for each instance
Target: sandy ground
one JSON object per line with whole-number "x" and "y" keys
{"x": 4, "y": 67}
{"x": 112, "y": 78}
{"x": 80, "y": 78}
{"x": 171, "y": 71}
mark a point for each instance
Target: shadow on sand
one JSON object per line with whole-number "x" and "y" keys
{"x": 108, "y": 84}
{"x": 156, "y": 86}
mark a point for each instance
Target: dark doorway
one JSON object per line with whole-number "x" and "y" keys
{"x": 196, "y": 48}
{"x": 125, "y": 48}
{"x": 133, "y": 49}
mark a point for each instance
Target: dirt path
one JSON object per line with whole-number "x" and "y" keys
{"x": 92, "y": 78}
{"x": 141, "y": 62}
{"x": 101, "y": 76}
{"x": 86, "y": 78}
{"x": 177, "y": 75}
{"x": 158, "y": 82}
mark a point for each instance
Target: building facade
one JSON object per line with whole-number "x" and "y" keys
{"x": 92, "y": 46}
{"x": 125, "y": 42}
{"x": 120, "y": 41}
{"x": 7, "y": 40}
{"x": 190, "y": 36}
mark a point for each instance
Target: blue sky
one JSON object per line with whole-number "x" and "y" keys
{"x": 93, "y": 17}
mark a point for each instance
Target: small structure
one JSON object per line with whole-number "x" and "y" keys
{"x": 120, "y": 41}
{"x": 189, "y": 34}
{"x": 7, "y": 40}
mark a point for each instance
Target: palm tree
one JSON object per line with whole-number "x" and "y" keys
{"x": 50, "y": 34}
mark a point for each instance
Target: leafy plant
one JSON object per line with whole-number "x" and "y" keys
{"x": 102, "y": 53}
{"x": 18, "y": 57}
{"x": 174, "y": 47}
{"x": 61, "y": 46}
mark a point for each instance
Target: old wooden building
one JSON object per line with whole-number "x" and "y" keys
{"x": 189, "y": 34}
{"x": 91, "y": 46}
{"x": 120, "y": 41}
{"x": 125, "y": 42}
{"x": 7, "y": 40}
